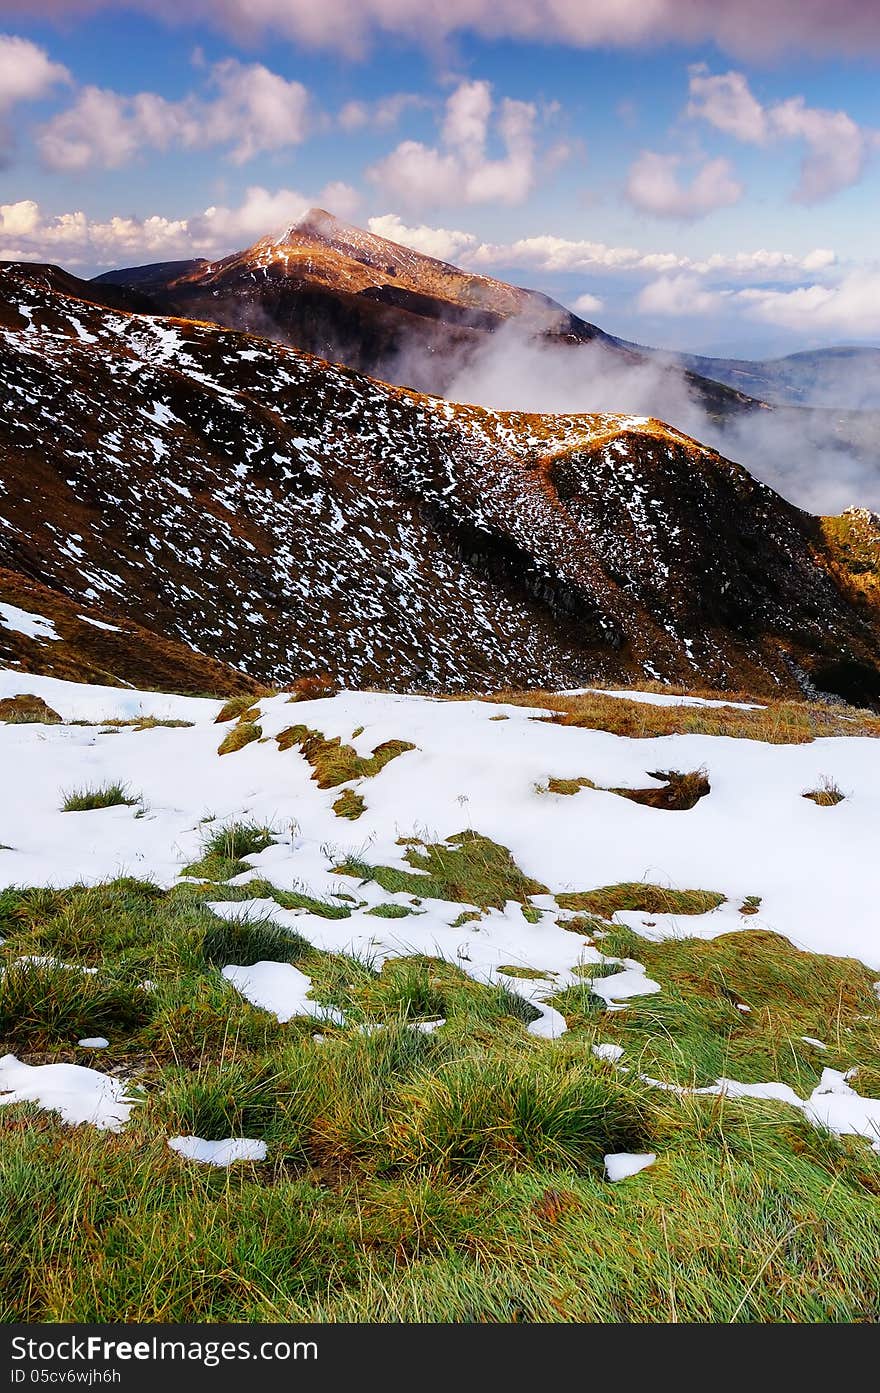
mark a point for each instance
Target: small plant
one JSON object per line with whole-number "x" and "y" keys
{"x": 827, "y": 795}
{"x": 242, "y": 734}
{"x": 315, "y": 688}
{"x": 467, "y": 868}
{"x": 750, "y": 905}
{"x": 237, "y": 708}
{"x": 85, "y": 800}
{"x": 391, "y": 911}
{"x": 349, "y": 804}
{"x": 223, "y": 850}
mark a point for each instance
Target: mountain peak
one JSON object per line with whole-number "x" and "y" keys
{"x": 316, "y": 221}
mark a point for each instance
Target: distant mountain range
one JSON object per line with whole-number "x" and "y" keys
{"x": 846, "y": 379}
{"x": 285, "y": 516}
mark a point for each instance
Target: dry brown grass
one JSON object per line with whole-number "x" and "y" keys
{"x": 640, "y": 897}
{"x": 238, "y": 737}
{"x": 239, "y": 708}
{"x": 776, "y": 723}
{"x": 334, "y": 763}
{"x": 349, "y": 804}
{"x": 827, "y": 795}
{"x": 26, "y": 709}
{"x": 679, "y": 792}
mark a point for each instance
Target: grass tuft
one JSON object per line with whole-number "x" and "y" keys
{"x": 349, "y": 804}
{"x": 468, "y": 868}
{"x": 83, "y": 800}
{"x": 827, "y": 795}
{"x": 248, "y": 941}
{"x": 242, "y": 734}
{"x": 334, "y": 763}
{"x": 223, "y": 850}
{"x": 649, "y": 899}
{"x": 50, "y": 1003}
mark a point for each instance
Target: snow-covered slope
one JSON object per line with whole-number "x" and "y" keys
{"x": 286, "y": 516}
{"x": 477, "y": 767}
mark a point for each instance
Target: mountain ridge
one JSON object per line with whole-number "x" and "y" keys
{"x": 294, "y": 517}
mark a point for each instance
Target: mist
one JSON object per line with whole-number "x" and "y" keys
{"x": 820, "y": 460}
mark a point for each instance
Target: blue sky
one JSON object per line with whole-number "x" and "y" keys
{"x": 681, "y": 176}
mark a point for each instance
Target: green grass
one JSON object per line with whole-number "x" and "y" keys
{"x": 451, "y": 1176}
{"x": 84, "y": 800}
{"x": 467, "y": 868}
{"x": 224, "y": 848}
{"x": 693, "y": 1032}
{"x": 251, "y": 941}
{"x": 44, "y": 1004}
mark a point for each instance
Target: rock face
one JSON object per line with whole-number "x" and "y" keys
{"x": 287, "y": 517}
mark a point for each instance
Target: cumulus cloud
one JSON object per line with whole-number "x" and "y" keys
{"x": 460, "y": 169}
{"x": 444, "y": 243}
{"x": 750, "y": 28}
{"x": 654, "y": 186}
{"x": 78, "y": 241}
{"x": 837, "y": 148}
{"x": 850, "y": 308}
{"x": 27, "y": 73}
{"x": 549, "y": 254}
{"x": 252, "y": 110}
{"x": 680, "y": 295}
{"x": 587, "y": 304}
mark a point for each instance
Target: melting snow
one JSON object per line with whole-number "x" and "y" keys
{"x": 75, "y": 1093}
{"x": 619, "y": 1165}
{"x": 281, "y": 989}
{"x": 218, "y": 1153}
{"x": 20, "y": 621}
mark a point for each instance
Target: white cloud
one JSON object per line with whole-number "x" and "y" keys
{"x": 726, "y": 102}
{"x": 254, "y": 110}
{"x": 587, "y": 304}
{"x": 385, "y": 112}
{"x": 19, "y": 219}
{"x": 546, "y": 252}
{"x": 679, "y": 295}
{"x": 460, "y": 170}
{"x": 550, "y": 254}
{"x": 850, "y": 308}
{"x": 837, "y": 148}
{"x": 27, "y": 73}
{"x": 443, "y": 243}
{"x": 78, "y": 241}
{"x": 653, "y": 186}
{"x": 747, "y": 27}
